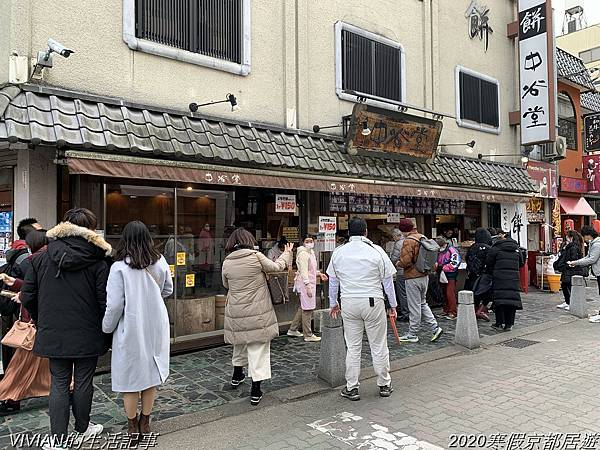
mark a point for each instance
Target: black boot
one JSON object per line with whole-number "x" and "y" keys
{"x": 9, "y": 407}
{"x": 238, "y": 376}
{"x": 256, "y": 394}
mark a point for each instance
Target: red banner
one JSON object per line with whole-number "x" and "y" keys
{"x": 591, "y": 172}
{"x": 545, "y": 178}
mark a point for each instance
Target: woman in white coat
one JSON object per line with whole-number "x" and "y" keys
{"x": 136, "y": 314}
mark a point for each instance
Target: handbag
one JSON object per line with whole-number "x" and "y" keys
{"x": 482, "y": 285}
{"x": 21, "y": 335}
{"x": 277, "y": 283}
{"x": 443, "y": 278}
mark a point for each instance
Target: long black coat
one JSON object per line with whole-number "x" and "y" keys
{"x": 65, "y": 293}
{"x": 503, "y": 262}
{"x": 570, "y": 252}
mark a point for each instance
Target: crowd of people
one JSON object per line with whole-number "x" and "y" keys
{"x": 84, "y": 298}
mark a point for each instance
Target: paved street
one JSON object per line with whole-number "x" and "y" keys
{"x": 547, "y": 387}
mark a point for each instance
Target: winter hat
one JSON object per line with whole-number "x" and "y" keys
{"x": 396, "y": 232}
{"x": 406, "y": 225}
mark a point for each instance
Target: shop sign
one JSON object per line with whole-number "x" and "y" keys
{"x": 190, "y": 280}
{"x": 479, "y": 22}
{"x": 393, "y": 217}
{"x": 591, "y": 127}
{"x": 577, "y": 185}
{"x": 591, "y": 169}
{"x": 327, "y": 224}
{"x": 393, "y": 133}
{"x": 292, "y": 234}
{"x": 181, "y": 258}
{"x": 535, "y": 210}
{"x": 233, "y": 179}
{"x": 536, "y": 70}
{"x": 514, "y": 220}
{"x": 285, "y": 203}
{"x": 326, "y": 242}
{"x": 545, "y": 178}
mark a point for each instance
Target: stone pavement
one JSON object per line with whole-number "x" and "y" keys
{"x": 542, "y": 396}
{"x": 200, "y": 381}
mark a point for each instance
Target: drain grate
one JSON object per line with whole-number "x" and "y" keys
{"x": 519, "y": 343}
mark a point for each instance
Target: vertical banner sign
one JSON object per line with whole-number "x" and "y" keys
{"x": 536, "y": 72}
{"x": 591, "y": 126}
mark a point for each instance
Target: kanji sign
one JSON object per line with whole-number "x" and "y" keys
{"x": 394, "y": 133}
{"x": 479, "y": 22}
{"x": 577, "y": 185}
{"x": 591, "y": 171}
{"x": 327, "y": 224}
{"x": 285, "y": 203}
{"x": 545, "y": 178}
{"x": 592, "y": 132}
{"x": 536, "y": 64}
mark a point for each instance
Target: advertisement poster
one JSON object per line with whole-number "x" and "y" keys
{"x": 591, "y": 172}
{"x": 285, "y": 203}
{"x": 545, "y": 178}
{"x": 181, "y": 258}
{"x": 190, "y": 280}
{"x": 327, "y": 224}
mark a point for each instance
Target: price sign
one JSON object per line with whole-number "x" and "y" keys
{"x": 393, "y": 217}
{"x": 327, "y": 224}
{"x": 285, "y": 203}
{"x": 181, "y": 258}
{"x": 190, "y": 280}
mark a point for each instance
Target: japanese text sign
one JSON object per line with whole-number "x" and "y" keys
{"x": 591, "y": 171}
{"x": 393, "y": 133}
{"x": 544, "y": 177}
{"x": 327, "y": 224}
{"x": 577, "y": 185}
{"x": 592, "y": 132}
{"x": 536, "y": 72}
{"x": 285, "y": 203}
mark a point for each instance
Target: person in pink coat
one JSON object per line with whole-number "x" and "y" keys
{"x": 305, "y": 285}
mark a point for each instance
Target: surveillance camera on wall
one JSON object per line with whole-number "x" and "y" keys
{"x": 57, "y": 47}
{"x": 44, "y": 58}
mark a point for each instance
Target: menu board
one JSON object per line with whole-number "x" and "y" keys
{"x": 382, "y": 204}
{"x": 404, "y": 205}
{"x": 423, "y": 205}
{"x": 338, "y": 202}
{"x": 359, "y": 203}
{"x": 292, "y": 234}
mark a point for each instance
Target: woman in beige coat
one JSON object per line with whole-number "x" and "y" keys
{"x": 250, "y": 320}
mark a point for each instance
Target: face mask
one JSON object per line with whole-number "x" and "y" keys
{"x": 256, "y": 247}
{"x": 310, "y": 246}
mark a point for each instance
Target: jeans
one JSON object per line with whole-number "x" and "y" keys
{"x": 400, "y": 285}
{"x": 81, "y": 371}
{"x": 566, "y": 288}
{"x": 505, "y": 315}
{"x": 416, "y": 294}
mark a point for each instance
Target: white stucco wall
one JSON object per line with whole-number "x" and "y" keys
{"x": 292, "y": 79}
{"x": 5, "y": 15}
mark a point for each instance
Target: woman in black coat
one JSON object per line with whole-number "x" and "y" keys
{"x": 571, "y": 251}
{"x": 503, "y": 263}
{"x": 476, "y": 258}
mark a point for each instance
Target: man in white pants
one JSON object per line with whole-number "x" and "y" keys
{"x": 360, "y": 272}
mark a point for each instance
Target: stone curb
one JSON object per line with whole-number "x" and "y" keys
{"x": 303, "y": 391}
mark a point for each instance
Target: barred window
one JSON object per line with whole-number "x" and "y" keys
{"x": 213, "y": 33}
{"x": 567, "y": 120}
{"x": 478, "y": 101}
{"x": 368, "y": 64}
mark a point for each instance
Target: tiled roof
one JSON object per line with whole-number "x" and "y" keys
{"x": 80, "y": 121}
{"x": 591, "y": 101}
{"x": 573, "y": 69}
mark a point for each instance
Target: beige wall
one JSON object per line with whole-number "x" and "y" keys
{"x": 580, "y": 41}
{"x": 293, "y": 59}
{"x": 5, "y": 16}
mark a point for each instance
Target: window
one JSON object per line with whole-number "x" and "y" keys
{"x": 213, "y": 33}
{"x": 590, "y": 55}
{"x": 567, "y": 120}
{"x": 478, "y": 101}
{"x": 368, "y": 64}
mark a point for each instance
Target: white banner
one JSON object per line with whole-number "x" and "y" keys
{"x": 285, "y": 203}
{"x": 327, "y": 224}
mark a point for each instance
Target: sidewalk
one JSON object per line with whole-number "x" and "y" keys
{"x": 200, "y": 380}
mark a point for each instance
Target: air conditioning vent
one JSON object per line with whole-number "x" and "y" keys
{"x": 554, "y": 151}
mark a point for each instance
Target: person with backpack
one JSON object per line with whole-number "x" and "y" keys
{"x": 476, "y": 256}
{"x": 572, "y": 250}
{"x": 405, "y": 225}
{"x": 65, "y": 293}
{"x": 448, "y": 262}
{"x": 592, "y": 260}
{"x": 503, "y": 262}
{"x": 361, "y": 277}
{"x": 418, "y": 259}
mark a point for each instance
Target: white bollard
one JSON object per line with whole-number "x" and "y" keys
{"x": 467, "y": 333}
{"x": 578, "y": 306}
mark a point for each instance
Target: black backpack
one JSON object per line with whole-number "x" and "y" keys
{"x": 13, "y": 266}
{"x": 476, "y": 258}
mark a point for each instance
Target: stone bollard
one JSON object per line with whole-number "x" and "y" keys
{"x": 467, "y": 333}
{"x": 578, "y": 307}
{"x": 318, "y": 318}
{"x": 332, "y": 363}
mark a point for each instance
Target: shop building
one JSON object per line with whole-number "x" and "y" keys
{"x": 118, "y": 138}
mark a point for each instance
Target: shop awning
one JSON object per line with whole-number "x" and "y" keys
{"x": 576, "y": 206}
{"x": 110, "y": 137}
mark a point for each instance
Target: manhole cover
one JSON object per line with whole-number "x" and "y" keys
{"x": 519, "y": 343}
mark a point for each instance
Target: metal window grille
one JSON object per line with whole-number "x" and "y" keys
{"x": 209, "y": 27}
{"x": 478, "y": 100}
{"x": 370, "y": 67}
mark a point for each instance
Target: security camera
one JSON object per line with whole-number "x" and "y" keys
{"x": 57, "y": 47}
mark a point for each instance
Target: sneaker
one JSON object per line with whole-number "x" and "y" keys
{"x": 563, "y": 305}
{"x": 293, "y": 333}
{"x": 312, "y": 338}
{"x": 386, "y": 391}
{"x": 255, "y": 399}
{"x": 9, "y": 407}
{"x": 450, "y": 317}
{"x": 352, "y": 395}
{"x": 55, "y": 447}
{"x": 567, "y": 308}
{"x": 507, "y": 328}
{"x": 235, "y": 383}
{"x": 497, "y": 327}
{"x": 595, "y": 319}
{"x": 409, "y": 338}
{"x": 93, "y": 430}
{"x": 437, "y": 334}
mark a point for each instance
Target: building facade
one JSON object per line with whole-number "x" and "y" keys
{"x": 109, "y": 127}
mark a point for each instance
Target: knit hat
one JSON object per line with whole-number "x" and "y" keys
{"x": 406, "y": 225}
{"x": 396, "y": 232}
